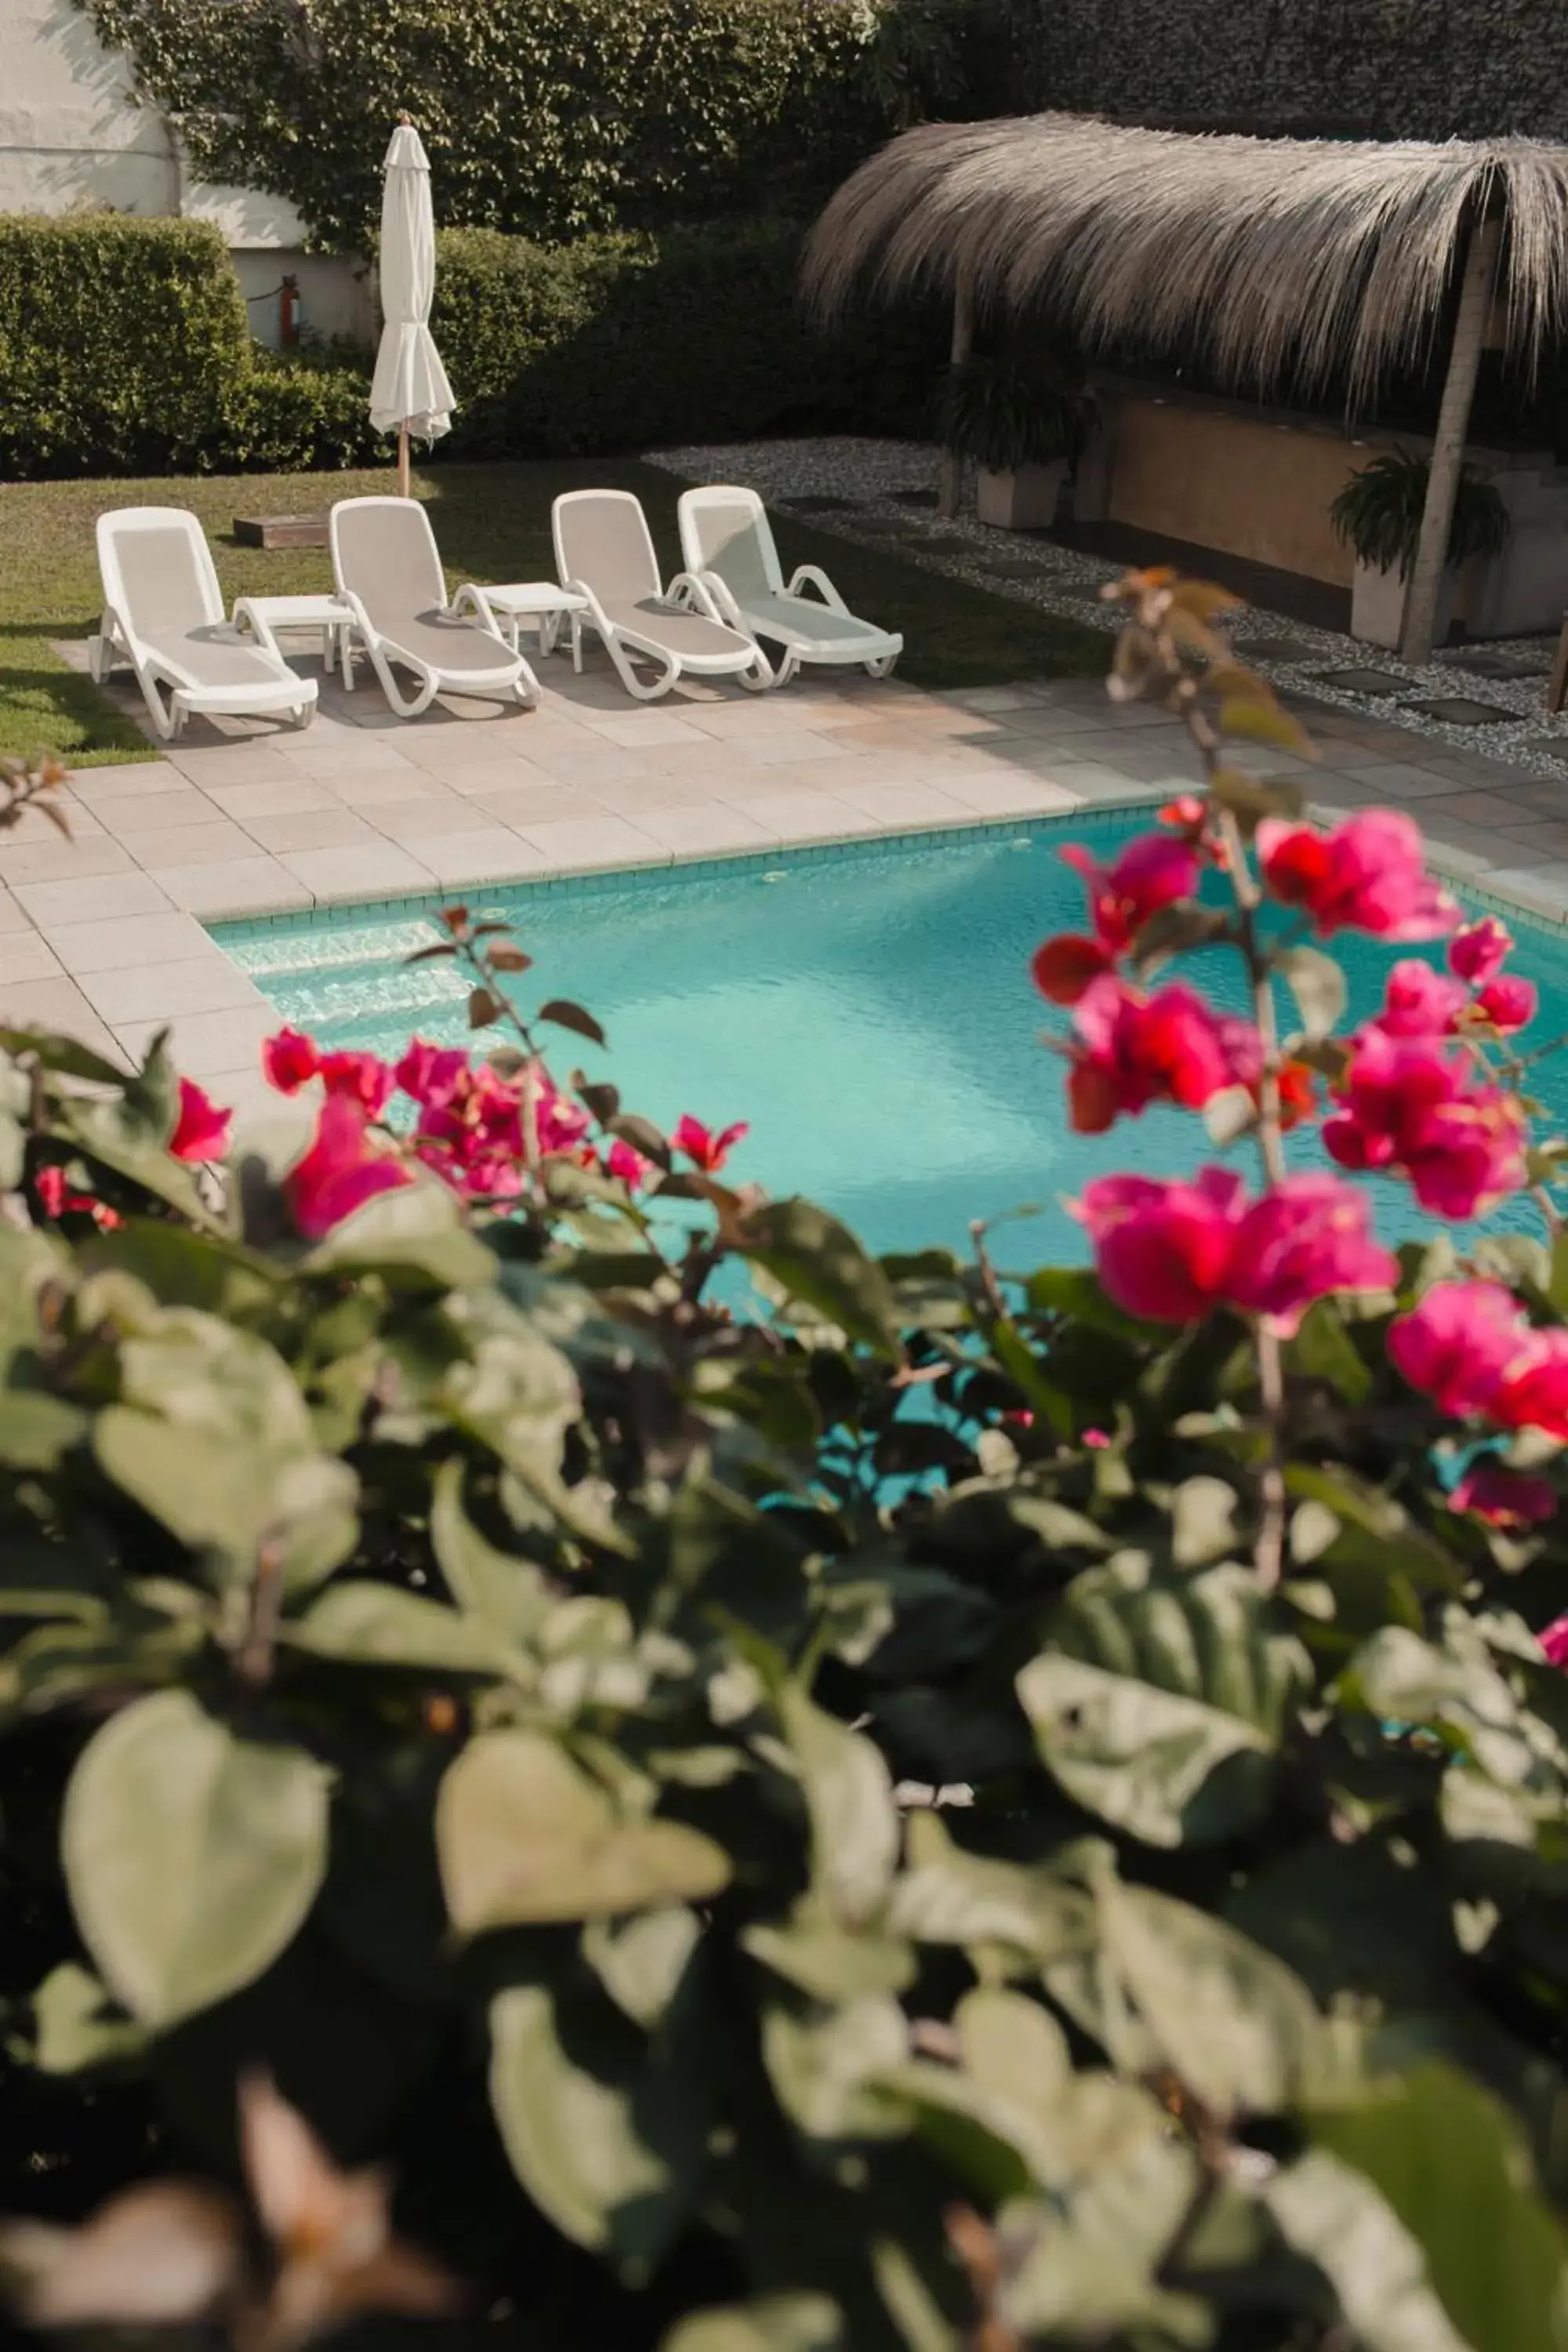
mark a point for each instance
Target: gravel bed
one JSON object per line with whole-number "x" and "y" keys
{"x": 877, "y": 478}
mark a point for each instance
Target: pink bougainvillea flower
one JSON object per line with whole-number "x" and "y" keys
{"x": 1411, "y": 1108}
{"x": 341, "y": 1171}
{"x": 365, "y": 1076}
{"x": 1367, "y": 875}
{"x": 1472, "y": 1349}
{"x": 560, "y": 1123}
{"x": 705, "y": 1149}
{"x": 630, "y": 1166}
{"x": 1458, "y": 1343}
{"x": 1507, "y": 1003}
{"x": 1478, "y": 952}
{"x": 431, "y": 1073}
{"x": 1503, "y": 1497}
{"x": 1062, "y": 968}
{"x": 1554, "y": 1640}
{"x": 289, "y": 1060}
{"x": 1097, "y": 1440}
{"x": 1129, "y": 1050}
{"x": 202, "y": 1129}
{"x": 57, "y": 1197}
{"x": 1419, "y": 1001}
{"x": 1171, "y": 1252}
{"x": 1151, "y": 872}
{"x": 1309, "y": 1237}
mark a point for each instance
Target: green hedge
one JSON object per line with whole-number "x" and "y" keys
{"x": 124, "y": 349}
{"x": 627, "y": 342}
{"x": 121, "y": 343}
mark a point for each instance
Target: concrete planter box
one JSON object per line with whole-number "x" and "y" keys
{"x": 1377, "y": 606}
{"x": 1023, "y": 500}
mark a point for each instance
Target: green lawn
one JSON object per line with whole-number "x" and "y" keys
{"x": 493, "y": 523}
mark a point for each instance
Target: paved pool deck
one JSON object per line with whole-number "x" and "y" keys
{"x": 103, "y": 935}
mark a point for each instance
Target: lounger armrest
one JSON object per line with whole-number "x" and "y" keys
{"x": 810, "y": 575}
{"x": 690, "y": 588}
{"x": 722, "y": 602}
{"x": 469, "y": 603}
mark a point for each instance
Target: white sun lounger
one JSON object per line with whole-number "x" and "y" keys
{"x": 163, "y": 613}
{"x": 388, "y": 574}
{"x": 603, "y": 552}
{"x": 727, "y": 541}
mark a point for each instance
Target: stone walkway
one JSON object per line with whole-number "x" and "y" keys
{"x": 103, "y": 935}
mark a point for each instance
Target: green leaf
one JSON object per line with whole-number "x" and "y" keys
{"x": 524, "y": 1836}
{"x": 1374, "y": 2264}
{"x": 567, "y": 1015}
{"x": 849, "y": 1796}
{"x": 826, "y": 2063}
{"x": 776, "y": 2323}
{"x": 603, "y": 2137}
{"x": 944, "y": 1895}
{"x": 37, "y": 1429}
{"x": 1455, "y": 2169}
{"x": 1322, "y": 1349}
{"x": 415, "y": 1236}
{"x": 192, "y": 1856}
{"x": 1084, "y": 2268}
{"x": 812, "y": 1952}
{"x": 497, "y": 1588}
{"x": 1234, "y": 2022}
{"x": 641, "y": 1961}
{"x": 1317, "y": 985}
{"x": 1162, "y": 1704}
{"x": 74, "y": 2024}
{"x": 816, "y": 1259}
{"x": 366, "y": 1622}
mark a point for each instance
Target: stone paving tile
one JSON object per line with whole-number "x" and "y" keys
{"x": 12, "y": 916}
{"x": 1543, "y": 839}
{"x": 285, "y": 799}
{"x": 161, "y": 992}
{"x": 635, "y": 729}
{"x": 238, "y": 886}
{"x": 376, "y": 787}
{"x": 581, "y": 845}
{"x": 57, "y": 1003}
{"x": 197, "y": 845}
{"x": 220, "y": 1040}
{"x": 545, "y": 803}
{"x": 1479, "y": 808}
{"x": 375, "y": 869}
{"x": 91, "y": 898}
{"x": 166, "y": 937}
{"x": 906, "y": 805}
{"x": 494, "y": 853}
{"x": 430, "y": 816}
{"x": 56, "y": 860}
{"x": 232, "y": 763}
{"x": 704, "y": 829}
{"x": 333, "y": 828}
{"x": 587, "y": 762}
{"x": 26, "y": 955}
{"x": 1544, "y": 889}
{"x": 153, "y": 812}
{"x": 1392, "y": 780}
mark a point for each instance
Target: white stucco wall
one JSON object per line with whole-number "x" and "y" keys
{"x": 72, "y": 133}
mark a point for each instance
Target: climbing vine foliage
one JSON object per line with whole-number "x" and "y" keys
{"x": 547, "y": 117}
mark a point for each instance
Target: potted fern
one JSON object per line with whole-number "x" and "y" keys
{"x": 1021, "y": 423}
{"x": 1378, "y": 515}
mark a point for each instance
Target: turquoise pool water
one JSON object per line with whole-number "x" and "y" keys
{"x": 868, "y": 1009}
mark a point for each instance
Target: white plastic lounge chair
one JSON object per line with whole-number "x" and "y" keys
{"x": 727, "y": 540}
{"x": 603, "y": 550}
{"x": 163, "y": 613}
{"x": 388, "y": 573}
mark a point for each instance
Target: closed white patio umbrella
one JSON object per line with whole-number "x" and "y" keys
{"x": 410, "y": 392}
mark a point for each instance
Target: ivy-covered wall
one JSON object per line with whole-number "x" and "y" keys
{"x": 1380, "y": 69}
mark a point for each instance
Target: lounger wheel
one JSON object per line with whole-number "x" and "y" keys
{"x": 883, "y": 668}
{"x": 302, "y": 713}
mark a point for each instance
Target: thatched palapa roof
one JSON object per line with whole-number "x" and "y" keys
{"x": 1283, "y": 256}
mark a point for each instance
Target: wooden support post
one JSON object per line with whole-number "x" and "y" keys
{"x": 1449, "y": 445}
{"x": 951, "y": 480}
{"x": 404, "y": 486}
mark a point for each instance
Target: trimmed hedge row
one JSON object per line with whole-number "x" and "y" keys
{"x": 621, "y": 343}
{"x": 124, "y": 349}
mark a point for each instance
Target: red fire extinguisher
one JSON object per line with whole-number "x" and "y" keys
{"x": 289, "y": 314}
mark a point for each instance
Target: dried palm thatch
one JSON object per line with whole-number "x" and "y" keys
{"x": 1287, "y": 259}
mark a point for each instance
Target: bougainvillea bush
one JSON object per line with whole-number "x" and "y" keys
{"x": 589, "y": 1764}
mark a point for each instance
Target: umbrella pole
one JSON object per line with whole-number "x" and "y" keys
{"x": 404, "y": 488}
{"x": 1448, "y": 443}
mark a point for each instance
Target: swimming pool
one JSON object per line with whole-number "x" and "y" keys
{"x": 868, "y": 1008}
